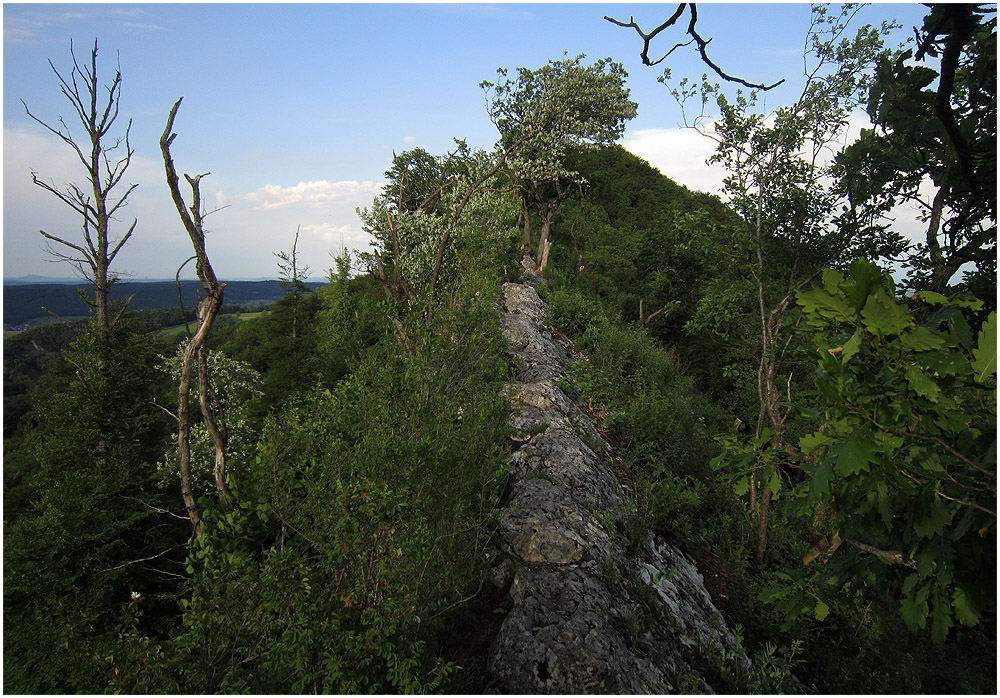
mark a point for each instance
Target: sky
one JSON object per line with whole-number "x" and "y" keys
{"x": 296, "y": 109}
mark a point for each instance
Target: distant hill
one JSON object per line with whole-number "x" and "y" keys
{"x": 23, "y": 301}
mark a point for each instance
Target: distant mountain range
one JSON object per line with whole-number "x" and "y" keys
{"x": 24, "y": 300}
{"x": 37, "y": 279}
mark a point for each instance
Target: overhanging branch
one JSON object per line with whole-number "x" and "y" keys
{"x": 695, "y": 37}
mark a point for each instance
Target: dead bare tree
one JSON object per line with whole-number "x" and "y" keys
{"x": 195, "y": 353}
{"x": 95, "y": 202}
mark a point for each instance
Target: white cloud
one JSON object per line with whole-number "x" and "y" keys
{"x": 680, "y": 154}
{"x": 409, "y": 139}
{"x": 320, "y": 193}
{"x": 29, "y": 26}
{"x": 141, "y": 26}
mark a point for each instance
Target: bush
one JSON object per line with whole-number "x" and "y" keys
{"x": 356, "y": 530}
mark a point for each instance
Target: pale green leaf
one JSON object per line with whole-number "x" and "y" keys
{"x": 965, "y": 609}
{"x": 851, "y": 348}
{"x": 822, "y": 610}
{"x": 933, "y": 298}
{"x": 775, "y": 482}
{"x": 985, "y": 355}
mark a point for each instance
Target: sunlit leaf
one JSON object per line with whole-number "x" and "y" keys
{"x": 985, "y": 355}
{"x": 933, "y": 298}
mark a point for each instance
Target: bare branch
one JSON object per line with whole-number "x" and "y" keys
{"x": 695, "y": 37}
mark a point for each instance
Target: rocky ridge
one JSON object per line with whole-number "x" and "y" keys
{"x": 592, "y": 611}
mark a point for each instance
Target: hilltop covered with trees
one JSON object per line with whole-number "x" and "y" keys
{"x": 302, "y": 500}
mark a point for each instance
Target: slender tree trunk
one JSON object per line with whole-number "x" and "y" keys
{"x": 210, "y": 419}
{"x": 526, "y": 235}
{"x": 95, "y": 253}
{"x": 543, "y": 244}
{"x": 195, "y": 353}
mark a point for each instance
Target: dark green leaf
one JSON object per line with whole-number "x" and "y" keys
{"x": 920, "y": 339}
{"x": 934, "y": 520}
{"x": 941, "y": 622}
{"x": 866, "y": 277}
{"x": 921, "y": 383}
{"x": 856, "y": 453}
{"x": 965, "y": 609}
{"x": 914, "y": 613}
{"x": 820, "y": 483}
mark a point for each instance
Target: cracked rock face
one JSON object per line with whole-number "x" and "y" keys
{"x": 588, "y": 614}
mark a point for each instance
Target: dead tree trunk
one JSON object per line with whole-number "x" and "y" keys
{"x": 95, "y": 203}
{"x": 196, "y": 353}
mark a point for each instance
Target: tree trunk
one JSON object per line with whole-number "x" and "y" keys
{"x": 526, "y": 237}
{"x": 95, "y": 253}
{"x": 195, "y": 353}
{"x": 543, "y": 239}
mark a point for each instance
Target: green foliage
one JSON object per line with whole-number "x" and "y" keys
{"x": 355, "y": 531}
{"x": 92, "y": 534}
{"x": 575, "y": 314}
{"x": 936, "y": 121}
{"x": 561, "y": 104}
{"x": 662, "y": 427}
{"x": 904, "y": 456}
{"x": 468, "y": 216}
{"x": 234, "y": 388}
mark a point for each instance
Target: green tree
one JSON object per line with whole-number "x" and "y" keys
{"x": 467, "y": 215}
{"x": 356, "y": 534}
{"x": 937, "y": 126}
{"x": 561, "y": 104}
{"x": 797, "y": 222}
{"x": 902, "y": 463}
{"x": 235, "y": 389}
{"x": 97, "y": 529}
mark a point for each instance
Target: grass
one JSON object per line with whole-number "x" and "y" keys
{"x": 176, "y": 333}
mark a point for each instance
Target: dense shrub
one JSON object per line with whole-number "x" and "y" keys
{"x": 354, "y": 533}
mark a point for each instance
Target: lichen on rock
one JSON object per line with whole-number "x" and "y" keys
{"x": 589, "y": 614}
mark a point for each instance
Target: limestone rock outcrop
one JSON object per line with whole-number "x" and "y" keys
{"x": 592, "y": 611}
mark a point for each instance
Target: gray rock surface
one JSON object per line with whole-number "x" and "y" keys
{"x": 591, "y": 613}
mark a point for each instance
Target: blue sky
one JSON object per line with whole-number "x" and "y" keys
{"x": 297, "y": 109}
